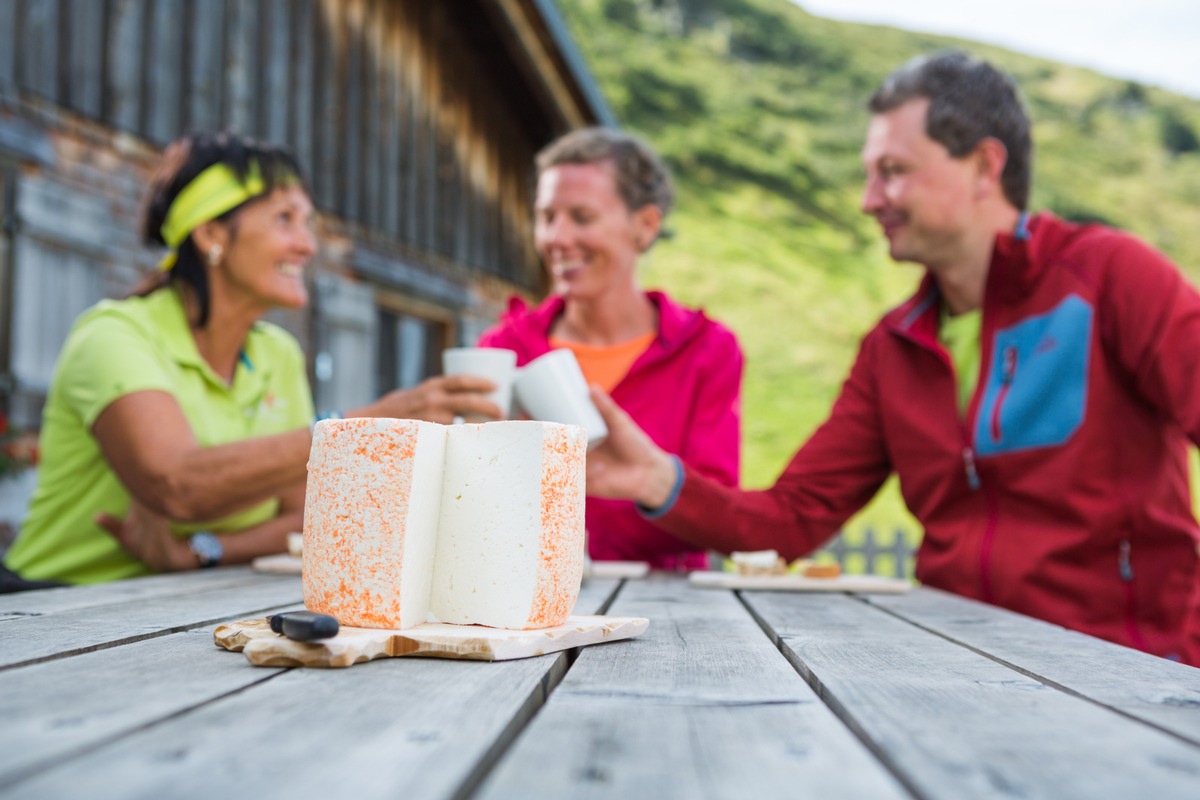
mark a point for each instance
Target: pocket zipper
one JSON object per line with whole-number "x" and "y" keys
{"x": 1010, "y": 371}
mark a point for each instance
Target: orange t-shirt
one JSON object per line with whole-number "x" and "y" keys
{"x": 606, "y": 366}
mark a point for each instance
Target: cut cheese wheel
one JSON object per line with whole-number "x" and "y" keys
{"x": 371, "y": 520}
{"x": 471, "y": 524}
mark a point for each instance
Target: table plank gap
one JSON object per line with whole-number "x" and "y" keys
{"x": 436, "y": 725}
{"x": 597, "y": 594}
{"x": 1167, "y": 698}
{"x": 34, "y": 639}
{"x": 961, "y": 725}
{"x": 141, "y": 638}
{"x": 45, "y": 602}
{"x": 831, "y": 701}
{"x": 63, "y": 754}
{"x": 698, "y": 706}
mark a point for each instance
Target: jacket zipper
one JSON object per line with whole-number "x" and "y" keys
{"x": 992, "y": 518}
{"x": 972, "y": 473}
{"x": 968, "y": 455}
{"x": 1125, "y": 570}
{"x": 1010, "y": 371}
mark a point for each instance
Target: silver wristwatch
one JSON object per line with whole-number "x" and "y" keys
{"x": 208, "y": 548}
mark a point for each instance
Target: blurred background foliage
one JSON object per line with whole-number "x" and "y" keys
{"x": 759, "y": 108}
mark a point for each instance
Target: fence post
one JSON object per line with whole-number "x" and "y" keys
{"x": 870, "y": 549}
{"x": 901, "y": 551}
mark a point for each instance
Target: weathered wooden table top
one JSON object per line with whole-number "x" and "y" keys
{"x": 118, "y": 691}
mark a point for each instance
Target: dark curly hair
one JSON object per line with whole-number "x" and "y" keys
{"x": 183, "y": 160}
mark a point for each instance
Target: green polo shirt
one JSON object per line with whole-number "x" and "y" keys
{"x": 144, "y": 344}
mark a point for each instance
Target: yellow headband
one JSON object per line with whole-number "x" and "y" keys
{"x": 210, "y": 194}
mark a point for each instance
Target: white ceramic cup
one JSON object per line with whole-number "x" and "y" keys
{"x": 496, "y": 364}
{"x": 551, "y": 388}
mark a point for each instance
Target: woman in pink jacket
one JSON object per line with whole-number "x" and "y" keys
{"x": 601, "y": 199}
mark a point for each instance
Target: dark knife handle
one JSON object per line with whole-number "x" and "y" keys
{"x": 304, "y": 626}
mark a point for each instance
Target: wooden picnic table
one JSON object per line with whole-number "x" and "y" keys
{"x": 118, "y": 691}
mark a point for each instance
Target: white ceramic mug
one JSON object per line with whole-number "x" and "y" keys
{"x": 496, "y": 364}
{"x": 552, "y": 388}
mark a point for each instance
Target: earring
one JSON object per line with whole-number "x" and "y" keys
{"x": 214, "y": 255}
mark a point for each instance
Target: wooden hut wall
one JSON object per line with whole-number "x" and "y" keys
{"x": 422, "y": 145}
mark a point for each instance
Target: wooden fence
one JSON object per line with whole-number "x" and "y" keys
{"x": 874, "y": 552}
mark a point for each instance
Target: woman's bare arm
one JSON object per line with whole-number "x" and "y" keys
{"x": 147, "y": 536}
{"x": 147, "y": 441}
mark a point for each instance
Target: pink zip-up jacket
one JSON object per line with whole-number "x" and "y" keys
{"x": 1063, "y": 494}
{"x": 684, "y": 392}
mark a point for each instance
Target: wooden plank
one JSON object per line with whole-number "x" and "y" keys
{"x": 123, "y": 77}
{"x": 391, "y": 130}
{"x": 40, "y": 328}
{"x": 596, "y": 596}
{"x": 330, "y": 70}
{"x": 422, "y": 165}
{"x": 394, "y": 728}
{"x": 350, "y": 167}
{"x": 799, "y": 583}
{"x": 57, "y": 211}
{"x": 701, "y": 705}
{"x": 9, "y": 36}
{"x": 241, "y": 65}
{"x": 192, "y": 721}
{"x": 58, "y": 709}
{"x": 163, "y": 91}
{"x": 273, "y": 96}
{"x": 154, "y": 587}
{"x": 432, "y": 97}
{"x": 375, "y": 113}
{"x": 409, "y": 122}
{"x": 38, "y": 49}
{"x": 205, "y": 97}
{"x": 445, "y": 130}
{"x": 84, "y": 89}
{"x": 955, "y": 724}
{"x": 303, "y": 56}
{"x": 98, "y": 698}
{"x": 34, "y": 639}
{"x": 1165, "y": 693}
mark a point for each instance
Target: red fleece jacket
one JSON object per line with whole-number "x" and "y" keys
{"x": 684, "y": 391}
{"x": 1063, "y": 494}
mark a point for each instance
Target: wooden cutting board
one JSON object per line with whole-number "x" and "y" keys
{"x": 875, "y": 584}
{"x": 263, "y": 647}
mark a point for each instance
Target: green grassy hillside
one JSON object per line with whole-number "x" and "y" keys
{"x": 759, "y": 109}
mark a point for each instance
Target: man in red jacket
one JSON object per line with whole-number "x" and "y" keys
{"x": 1035, "y": 396}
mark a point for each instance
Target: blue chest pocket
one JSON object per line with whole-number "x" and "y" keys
{"x": 1036, "y": 389}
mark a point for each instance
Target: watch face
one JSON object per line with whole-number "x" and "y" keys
{"x": 207, "y": 548}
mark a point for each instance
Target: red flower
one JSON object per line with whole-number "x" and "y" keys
{"x": 3, "y": 424}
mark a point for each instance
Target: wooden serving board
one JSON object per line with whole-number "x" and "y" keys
{"x": 876, "y": 584}
{"x": 619, "y": 569}
{"x": 282, "y": 563}
{"x": 265, "y": 648}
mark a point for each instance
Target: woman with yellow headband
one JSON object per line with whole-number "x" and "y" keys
{"x": 177, "y": 427}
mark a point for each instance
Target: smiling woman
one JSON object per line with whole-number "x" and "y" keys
{"x": 177, "y": 427}
{"x": 601, "y": 199}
